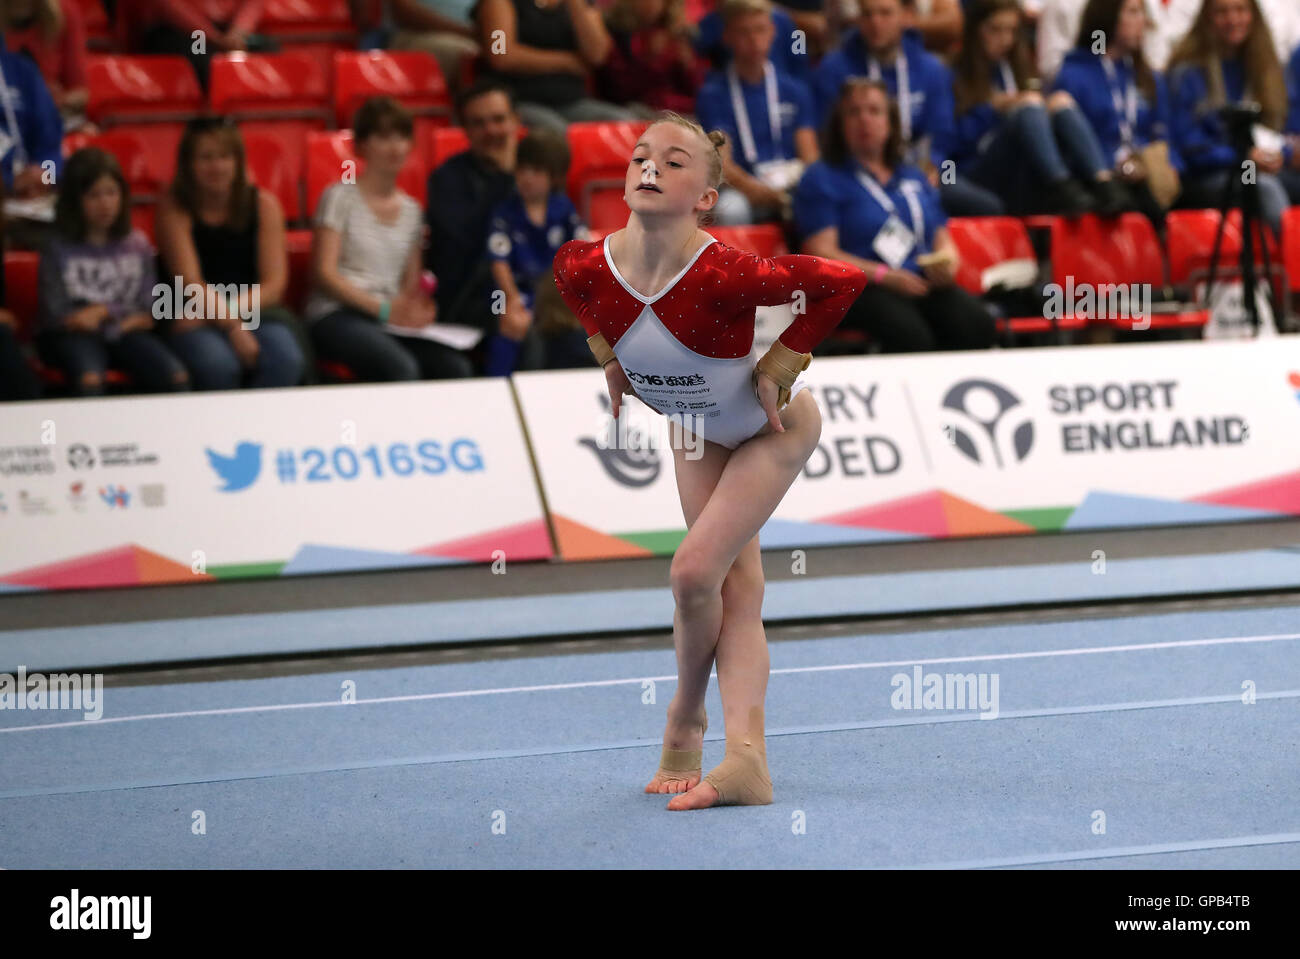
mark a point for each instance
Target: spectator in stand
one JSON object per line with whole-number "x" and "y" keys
{"x": 31, "y": 148}
{"x": 1037, "y": 153}
{"x": 880, "y": 49}
{"x": 53, "y": 34}
{"x": 864, "y": 204}
{"x": 788, "y": 54}
{"x": 97, "y": 285}
{"x": 1228, "y": 58}
{"x": 17, "y": 381}
{"x": 545, "y": 51}
{"x": 769, "y": 114}
{"x": 366, "y": 260}
{"x": 443, "y": 28}
{"x": 462, "y": 193}
{"x": 1291, "y": 175}
{"x": 560, "y": 329}
{"x": 652, "y": 65}
{"x": 168, "y": 26}
{"x": 220, "y": 234}
{"x": 527, "y": 228}
{"x": 1125, "y": 103}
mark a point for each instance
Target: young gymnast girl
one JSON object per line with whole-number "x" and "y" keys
{"x": 670, "y": 311}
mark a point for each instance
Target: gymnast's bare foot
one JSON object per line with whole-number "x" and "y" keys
{"x": 701, "y": 796}
{"x": 681, "y": 765}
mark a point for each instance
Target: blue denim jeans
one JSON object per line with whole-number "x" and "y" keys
{"x": 142, "y": 355}
{"x": 213, "y": 364}
{"x": 1033, "y": 148}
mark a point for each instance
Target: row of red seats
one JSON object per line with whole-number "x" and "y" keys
{"x": 286, "y": 20}
{"x": 1087, "y": 249}
{"x": 299, "y": 164}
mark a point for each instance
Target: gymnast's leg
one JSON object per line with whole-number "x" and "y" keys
{"x": 753, "y": 482}
{"x": 695, "y": 631}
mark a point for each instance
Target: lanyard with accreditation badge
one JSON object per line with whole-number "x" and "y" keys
{"x": 778, "y": 173}
{"x": 1126, "y": 104}
{"x": 904, "y": 96}
{"x": 894, "y": 241}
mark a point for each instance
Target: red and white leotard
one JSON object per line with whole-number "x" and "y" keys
{"x": 687, "y": 349}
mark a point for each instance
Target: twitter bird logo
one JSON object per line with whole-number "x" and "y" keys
{"x": 239, "y": 471}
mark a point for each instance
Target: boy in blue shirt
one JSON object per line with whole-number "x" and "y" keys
{"x": 526, "y": 229}
{"x": 766, "y": 115}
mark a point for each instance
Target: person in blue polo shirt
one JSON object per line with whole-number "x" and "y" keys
{"x": 863, "y": 204}
{"x": 881, "y": 49}
{"x": 790, "y": 58}
{"x": 1227, "y": 57}
{"x": 1037, "y": 152}
{"x": 1124, "y": 101}
{"x": 1290, "y": 176}
{"x": 766, "y": 115}
{"x": 526, "y": 229}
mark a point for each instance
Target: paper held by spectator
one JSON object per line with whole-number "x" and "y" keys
{"x": 37, "y": 208}
{"x": 456, "y": 335}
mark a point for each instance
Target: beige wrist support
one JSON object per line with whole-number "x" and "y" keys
{"x": 741, "y": 779}
{"x": 784, "y": 366}
{"x": 600, "y": 349}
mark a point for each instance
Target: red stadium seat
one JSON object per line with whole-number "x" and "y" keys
{"x": 267, "y": 168}
{"x": 327, "y": 154}
{"x": 145, "y": 178}
{"x": 764, "y": 239}
{"x": 1291, "y": 246}
{"x": 142, "y": 219}
{"x": 146, "y": 89}
{"x": 21, "y": 268}
{"x": 285, "y": 96}
{"x": 157, "y": 143}
{"x": 308, "y": 20}
{"x": 298, "y": 243}
{"x": 599, "y": 156}
{"x": 983, "y": 242}
{"x": 270, "y": 86}
{"x": 1191, "y": 243}
{"x": 412, "y": 79}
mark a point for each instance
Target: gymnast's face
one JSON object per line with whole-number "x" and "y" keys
{"x": 668, "y": 175}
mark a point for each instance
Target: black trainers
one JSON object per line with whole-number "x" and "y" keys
{"x": 1070, "y": 198}
{"x": 1112, "y": 198}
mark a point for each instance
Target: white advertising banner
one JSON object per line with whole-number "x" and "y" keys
{"x": 171, "y": 488}
{"x": 960, "y": 443}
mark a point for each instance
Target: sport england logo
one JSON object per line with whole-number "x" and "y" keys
{"x": 984, "y": 432}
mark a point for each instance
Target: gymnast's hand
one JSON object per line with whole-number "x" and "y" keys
{"x": 768, "y": 397}
{"x": 618, "y": 384}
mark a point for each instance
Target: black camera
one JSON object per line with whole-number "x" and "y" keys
{"x": 1240, "y": 120}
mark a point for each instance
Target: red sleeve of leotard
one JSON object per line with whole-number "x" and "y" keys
{"x": 568, "y": 279}
{"x": 828, "y": 289}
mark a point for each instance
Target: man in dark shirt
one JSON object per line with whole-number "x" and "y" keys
{"x": 462, "y": 194}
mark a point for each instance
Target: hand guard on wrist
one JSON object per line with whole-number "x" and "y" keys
{"x": 600, "y": 349}
{"x": 783, "y": 365}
